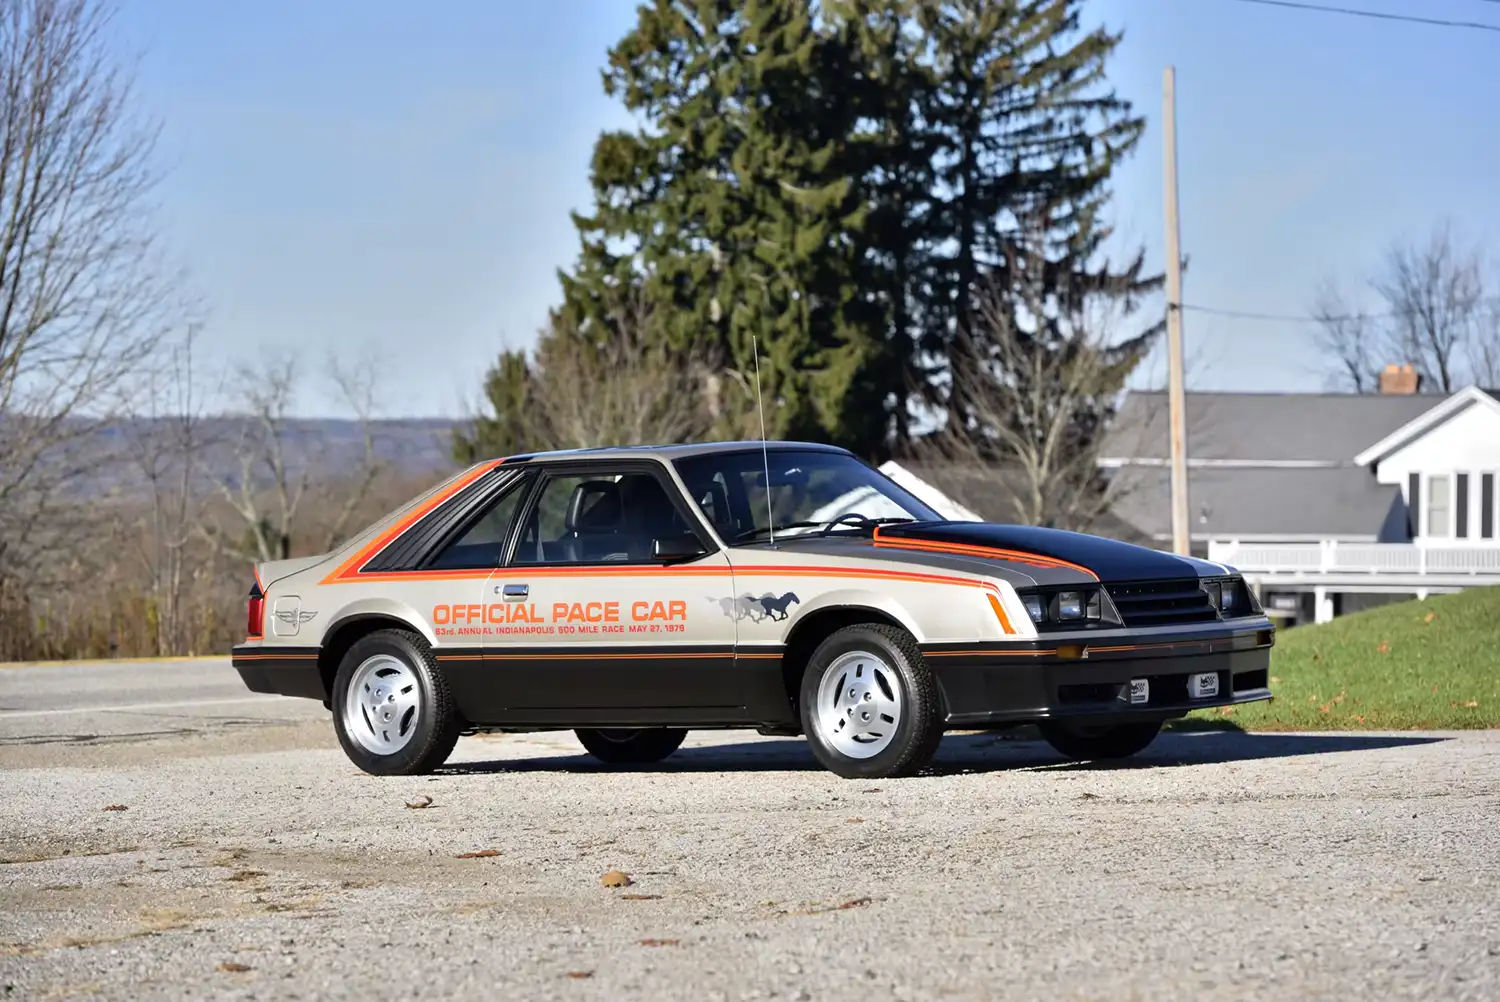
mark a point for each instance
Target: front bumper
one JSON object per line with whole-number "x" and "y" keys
{"x": 284, "y": 671}
{"x": 1086, "y": 677}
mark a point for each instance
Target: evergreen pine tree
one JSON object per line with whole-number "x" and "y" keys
{"x": 1027, "y": 130}
{"x": 732, "y": 209}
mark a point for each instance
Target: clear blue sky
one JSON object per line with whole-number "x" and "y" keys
{"x": 381, "y": 177}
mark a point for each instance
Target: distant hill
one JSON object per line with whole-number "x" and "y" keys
{"x": 419, "y": 448}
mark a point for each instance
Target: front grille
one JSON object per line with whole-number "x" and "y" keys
{"x": 1162, "y": 603}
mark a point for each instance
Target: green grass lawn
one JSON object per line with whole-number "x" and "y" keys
{"x": 1416, "y": 665}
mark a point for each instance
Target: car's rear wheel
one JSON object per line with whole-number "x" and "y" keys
{"x": 1087, "y": 743}
{"x": 870, "y": 706}
{"x": 631, "y": 746}
{"x": 392, "y": 709}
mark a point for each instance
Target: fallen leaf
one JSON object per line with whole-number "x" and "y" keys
{"x": 1226, "y": 710}
{"x": 1472, "y": 704}
{"x": 1324, "y": 708}
{"x": 580, "y": 974}
{"x": 1384, "y": 648}
{"x": 659, "y": 942}
{"x": 481, "y": 854}
{"x": 1359, "y": 719}
{"x": 1339, "y": 698}
{"x": 419, "y": 803}
{"x": 1429, "y": 617}
{"x": 640, "y": 897}
{"x": 117, "y": 807}
{"x": 855, "y": 903}
{"x": 238, "y": 876}
{"x": 854, "y": 821}
{"x": 234, "y": 968}
{"x": 1275, "y": 679}
{"x": 614, "y": 878}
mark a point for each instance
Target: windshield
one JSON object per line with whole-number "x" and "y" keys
{"x": 808, "y": 490}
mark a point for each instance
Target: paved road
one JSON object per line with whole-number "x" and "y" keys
{"x": 252, "y": 861}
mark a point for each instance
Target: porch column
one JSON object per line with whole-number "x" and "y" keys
{"x": 1322, "y": 605}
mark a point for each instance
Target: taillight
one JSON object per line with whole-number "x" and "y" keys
{"x": 254, "y": 625}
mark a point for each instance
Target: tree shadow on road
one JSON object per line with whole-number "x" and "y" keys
{"x": 975, "y": 753}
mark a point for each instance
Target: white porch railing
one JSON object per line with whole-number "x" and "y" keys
{"x": 1332, "y": 558}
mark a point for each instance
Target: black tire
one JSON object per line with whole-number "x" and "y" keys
{"x": 435, "y": 725}
{"x": 631, "y": 746}
{"x": 1102, "y": 742}
{"x": 919, "y": 728}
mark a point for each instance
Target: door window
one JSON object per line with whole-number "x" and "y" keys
{"x": 598, "y": 518}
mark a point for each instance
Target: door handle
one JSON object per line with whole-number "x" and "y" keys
{"x": 513, "y": 592}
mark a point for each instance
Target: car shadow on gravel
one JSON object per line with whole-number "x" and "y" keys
{"x": 970, "y": 753}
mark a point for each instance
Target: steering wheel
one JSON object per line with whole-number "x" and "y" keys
{"x": 829, "y": 526}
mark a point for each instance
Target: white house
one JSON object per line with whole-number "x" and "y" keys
{"x": 1327, "y": 503}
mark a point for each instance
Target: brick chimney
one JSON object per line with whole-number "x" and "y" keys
{"x": 1399, "y": 379}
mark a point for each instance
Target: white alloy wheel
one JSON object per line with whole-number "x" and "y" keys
{"x": 383, "y": 704}
{"x": 859, "y": 704}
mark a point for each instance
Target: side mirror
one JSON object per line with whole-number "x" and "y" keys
{"x": 682, "y": 546}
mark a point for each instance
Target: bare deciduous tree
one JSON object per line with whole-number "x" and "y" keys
{"x": 627, "y": 390}
{"x": 1435, "y": 295}
{"x": 1034, "y": 401}
{"x": 1348, "y": 340}
{"x": 164, "y": 432}
{"x": 78, "y": 303}
{"x": 279, "y": 462}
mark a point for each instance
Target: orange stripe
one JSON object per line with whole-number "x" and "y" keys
{"x": 972, "y": 550}
{"x": 613, "y": 570}
{"x": 963, "y": 549}
{"x": 1000, "y": 613}
{"x": 352, "y": 565}
{"x": 582, "y": 655}
{"x": 274, "y": 657}
{"x": 989, "y": 653}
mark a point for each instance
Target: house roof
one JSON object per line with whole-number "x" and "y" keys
{"x": 988, "y": 491}
{"x": 1329, "y": 428}
{"x": 1264, "y": 501}
{"x": 1425, "y": 422}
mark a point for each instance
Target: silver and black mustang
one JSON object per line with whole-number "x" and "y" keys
{"x": 632, "y": 594}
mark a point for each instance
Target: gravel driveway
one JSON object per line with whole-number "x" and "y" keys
{"x": 252, "y": 861}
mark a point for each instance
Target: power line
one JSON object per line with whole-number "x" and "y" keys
{"x": 1293, "y": 318}
{"x": 1376, "y": 15}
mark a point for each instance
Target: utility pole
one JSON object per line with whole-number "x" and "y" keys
{"x": 1176, "y": 402}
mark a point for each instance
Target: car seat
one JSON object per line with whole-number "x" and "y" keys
{"x": 592, "y": 523}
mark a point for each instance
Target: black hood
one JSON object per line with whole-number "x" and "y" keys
{"x": 1108, "y": 559}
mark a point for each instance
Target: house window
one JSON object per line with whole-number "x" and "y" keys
{"x": 1487, "y": 506}
{"x": 1461, "y": 506}
{"x": 1439, "y": 507}
{"x": 1413, "y": 505}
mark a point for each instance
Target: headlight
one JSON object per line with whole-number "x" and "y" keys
{"x": 1216, "y": 593}
{"x": 1068, "y": 606}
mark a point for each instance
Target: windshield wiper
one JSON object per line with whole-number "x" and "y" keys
{"x": 761, "y": 530}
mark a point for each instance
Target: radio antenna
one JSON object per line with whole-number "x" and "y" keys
{"x": 765, "y": 455}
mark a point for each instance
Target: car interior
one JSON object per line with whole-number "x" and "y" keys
{"x": 604, "y": 520}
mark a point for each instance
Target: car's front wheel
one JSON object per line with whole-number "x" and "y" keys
{"x": 870, "y": 706}
{"x": 1086, "y": 743}
{"x": 631, "y": 746}
{"x": 392, "y": 709}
